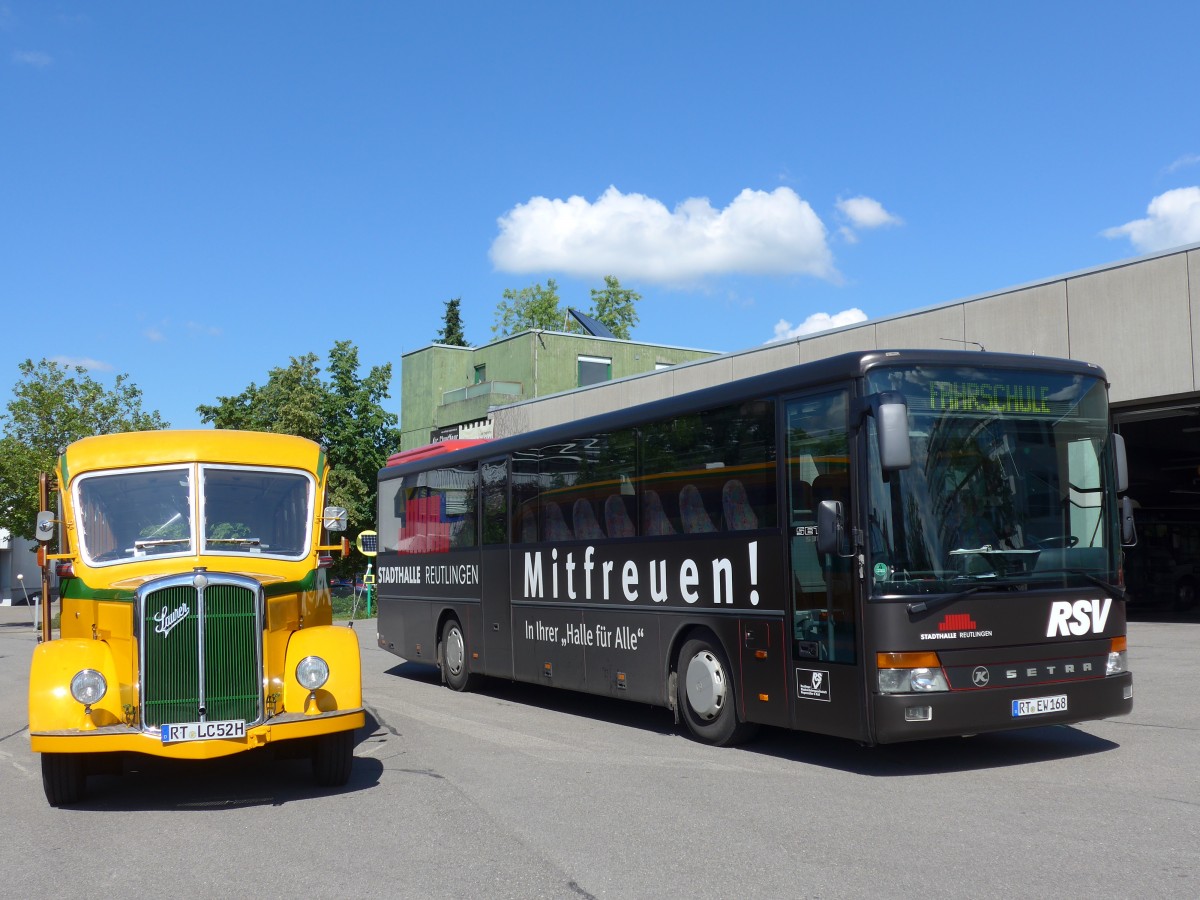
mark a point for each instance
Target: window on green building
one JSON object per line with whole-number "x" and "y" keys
{"x": 594, "y": 370}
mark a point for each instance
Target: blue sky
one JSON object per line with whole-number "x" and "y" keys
{"x": 194, "y": 193}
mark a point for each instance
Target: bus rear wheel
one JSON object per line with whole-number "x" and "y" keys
{"x": 63, "y": 778}
{"x": 456, "y": 668}
{"x": 705, "y": 695}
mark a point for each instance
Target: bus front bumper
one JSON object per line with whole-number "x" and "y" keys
{"x": 124, "y": 738}
{"x": 897, "y": 716}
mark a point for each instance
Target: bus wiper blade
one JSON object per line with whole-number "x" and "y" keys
{"x": 944, "y": 600}
{"x": 1118, "y": 592}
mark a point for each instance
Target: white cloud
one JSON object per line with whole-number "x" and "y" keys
{"x": 153, "y": 334}
{"x": 635, "y": 236}
{"x": 1183, "y": 162}
{"x": 785, "y": 330}
{"x": 204, "y": 330}
{"x": 34, "y": 58}
{"x": 84, "y": 362}
{"x": 1172, "y": 219}
{"x": 865, "y": 212}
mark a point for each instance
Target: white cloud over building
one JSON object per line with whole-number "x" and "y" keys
{"x": 1172, "y": 219}
{"x": 820, "y": 321}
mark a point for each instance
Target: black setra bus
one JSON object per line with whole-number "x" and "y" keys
{"x": 884, "y": 546}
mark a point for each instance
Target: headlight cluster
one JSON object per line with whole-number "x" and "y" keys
{"x": 1117, "y": 656}
{"x": 910, "y": 673}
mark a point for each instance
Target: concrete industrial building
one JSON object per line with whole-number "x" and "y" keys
{"x": 1139, "y": 319}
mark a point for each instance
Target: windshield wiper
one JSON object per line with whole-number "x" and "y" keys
{"x": 1118, "y": 592}
{"x": 142, "y": 545}
{"x": 251, "y": 541}
{"x": 944, "y": 600}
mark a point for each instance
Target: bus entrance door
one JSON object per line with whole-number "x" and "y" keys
{"x": 827, "y": 677}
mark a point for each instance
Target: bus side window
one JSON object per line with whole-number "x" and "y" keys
{"x": 495, "y": 501}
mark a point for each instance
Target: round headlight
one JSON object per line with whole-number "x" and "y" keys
{"x": 88, "y": 686}
{"x": 312, "y": 672}
{"x": 928, "y": 680}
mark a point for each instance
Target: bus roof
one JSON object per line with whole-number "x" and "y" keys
{"x": 791, "y": 378}
{"x": 151, "y": 448}
{"x": 416, "y": 453}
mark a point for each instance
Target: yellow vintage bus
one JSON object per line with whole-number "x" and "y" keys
{"x": 196, "y": 617}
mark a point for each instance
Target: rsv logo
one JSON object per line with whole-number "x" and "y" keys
{"x": 1078, "y": 618}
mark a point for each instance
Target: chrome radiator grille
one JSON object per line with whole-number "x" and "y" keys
{"x": 201, "y": 649}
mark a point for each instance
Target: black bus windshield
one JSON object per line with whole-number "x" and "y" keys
{"x": 1010, "y": 485}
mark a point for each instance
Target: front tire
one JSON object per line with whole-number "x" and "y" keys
{"x": 705, "y": 695}
{"x": 456, "y": 667}
{"x": 333, "y": 758}
{"x": 63, "y": 778}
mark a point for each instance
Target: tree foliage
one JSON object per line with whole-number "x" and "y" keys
{"x": 452, "y": 326}
{"x": 344, "y": 414}
{"x": 536, "y": 307}
{"x": 615, "y": 307}
{"x": 531, "y": 307}
{"x": 52, "y": 406}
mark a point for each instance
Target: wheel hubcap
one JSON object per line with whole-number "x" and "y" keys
{"x": 706, "y": 685}
{"x": 454, "y": 651}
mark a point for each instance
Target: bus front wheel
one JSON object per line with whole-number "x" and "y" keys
{"x": 456, "y": 668}
{"x": 706, "y": 695}
{"x": 333, "y": 758}
{"x": 63, "y": 778}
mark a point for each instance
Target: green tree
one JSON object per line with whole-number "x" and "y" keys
{"x": 538, "y": 307}
{"x": 52, "y": 406}
{"x": 531, "y": 307}
{"x": 344, "y": 414}
{"x": 452, "y": 326}
{"x": 613, "y": 306}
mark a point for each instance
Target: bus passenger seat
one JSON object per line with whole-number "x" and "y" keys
{"x": 554, "y": 526}
{"x": 739, "y": 514}
{"x": 586, "y": 526}
{"x": 528, "y": 528}
{"x": 692, "y": 513}
{"x": 616, "y": 517}
{"x": 654, "y": 517}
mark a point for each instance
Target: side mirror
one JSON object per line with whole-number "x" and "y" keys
{"x": 44, "y": 529}
{"x": 831, "y": 527}
{"x": 1120, "y": 463}
{"x": 891, "y": 429}
{"x": 1128, "y": 529}
{"x": 336, "y": 518}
